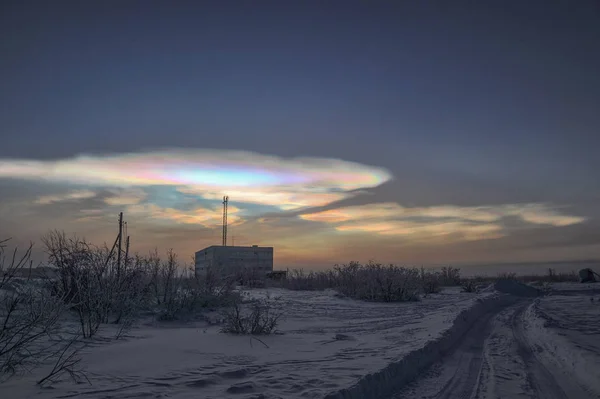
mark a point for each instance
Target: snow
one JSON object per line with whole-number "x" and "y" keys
{"x": 504, "y": 372}
{"x": 566, "y": 329}
{"x": 546, "y": 347}
{"x": 304, "y": 361}
{"x": 575, "y": 288}
{"x": 384, "y": 346}
{"x": 523, "y": 346}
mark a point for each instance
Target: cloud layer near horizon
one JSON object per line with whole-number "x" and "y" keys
{"x": 303, "y": 206}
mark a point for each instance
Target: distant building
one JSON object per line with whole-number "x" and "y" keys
{"x": 228, "y": 260}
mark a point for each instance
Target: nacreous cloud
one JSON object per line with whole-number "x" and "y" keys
{"x": 468, "y": 223}
{"x": 248, "y": 177}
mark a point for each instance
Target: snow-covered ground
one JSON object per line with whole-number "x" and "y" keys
{"x": 544, "y": 347}
{"x": 449, "y": 345}
{"x": 304, "y": 361}
{"x": 575, "y": 288}
{"x": 566, "y": 331}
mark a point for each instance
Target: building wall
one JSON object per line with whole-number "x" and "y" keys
{"x": 230, "y": 259}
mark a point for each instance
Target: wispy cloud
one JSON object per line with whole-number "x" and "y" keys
{"x": 121, "y": 197}
{"x": 538, "y": 214}
{"x": 70, "y": 196}
{"x": 287, "y": 183}
{"x": 468, "y": 223}
{"x": 208, "y": 217}
{"x": 428, "y": 230}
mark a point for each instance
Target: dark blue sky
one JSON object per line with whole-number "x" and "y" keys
{"x": 465, "y": 103}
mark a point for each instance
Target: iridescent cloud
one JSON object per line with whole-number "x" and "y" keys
{"x": 469, "y": 223}
{"x": 248, "y": 177}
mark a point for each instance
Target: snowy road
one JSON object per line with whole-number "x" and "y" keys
{"x": 510, "y": 354}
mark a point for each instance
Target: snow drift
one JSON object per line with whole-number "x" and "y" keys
{"x": 397, "y": 374}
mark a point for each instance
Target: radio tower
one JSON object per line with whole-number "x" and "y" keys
{"x": 225, "y": 201}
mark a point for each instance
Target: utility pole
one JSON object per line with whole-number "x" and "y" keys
{"x": 126, "y": 251}
{"x": 120, "y": 243}
{"x": 225, "y": 201}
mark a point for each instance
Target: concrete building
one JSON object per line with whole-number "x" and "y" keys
{"x": 227, "y": 260}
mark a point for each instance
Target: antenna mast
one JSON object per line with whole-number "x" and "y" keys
{"x": 225, "y": 201}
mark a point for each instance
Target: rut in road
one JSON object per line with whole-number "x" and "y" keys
{"x": 547, "y": 380}
{"x": 456, "y": 375}
{"x": 541, "y": 380}
{"x": 494, "y": 360}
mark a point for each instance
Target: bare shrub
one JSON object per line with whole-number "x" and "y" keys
{"x": 259, "y": 317}
{"x": 431, "y": 282}
{"x": 94, "y": 283}
{"x": 166, "y": 283}
{"x": 214, "y": 291}
{"x": 67, "y": 362}
{"x": 507, "y": 276}
{"x": 375, "y": 282}
{"x": 169, "y": 290}
{"x": 450, "y": 276}
{"x": 553, "y": 277}
{"x": 251, "y": 277}
{"x": 347, "y": 279}
{"x": 187, "y": 293}
{"x": 29, "y": 319}
{"x": 299, "y": 280}
{"x": 102, "y": 290}
{"x": 131, "y": 294}
{"x": 370, "y": 282}
{"x": 469, "y": 285}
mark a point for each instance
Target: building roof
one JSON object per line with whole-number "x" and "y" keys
{"x": 231, "y": 247}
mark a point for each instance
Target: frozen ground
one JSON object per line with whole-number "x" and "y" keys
{"x": 305, "y": 361}
{"x": 543, "y": 347}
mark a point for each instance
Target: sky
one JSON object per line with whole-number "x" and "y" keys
{"x": 425, "y": 132}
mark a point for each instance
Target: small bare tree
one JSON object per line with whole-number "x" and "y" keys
{"x": 451, "y": 276}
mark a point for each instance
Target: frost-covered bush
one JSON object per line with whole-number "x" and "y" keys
{"x": 369, "y": 282}
{"x": 376, "y": 282}
{"x": 258, "y": 317}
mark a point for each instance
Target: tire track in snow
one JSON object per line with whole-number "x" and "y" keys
{"x": 550, "y": 378}
{"x": 489, "y": 358}
{"x": 457, "y": 374}
{"x": 541, "y": 379}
